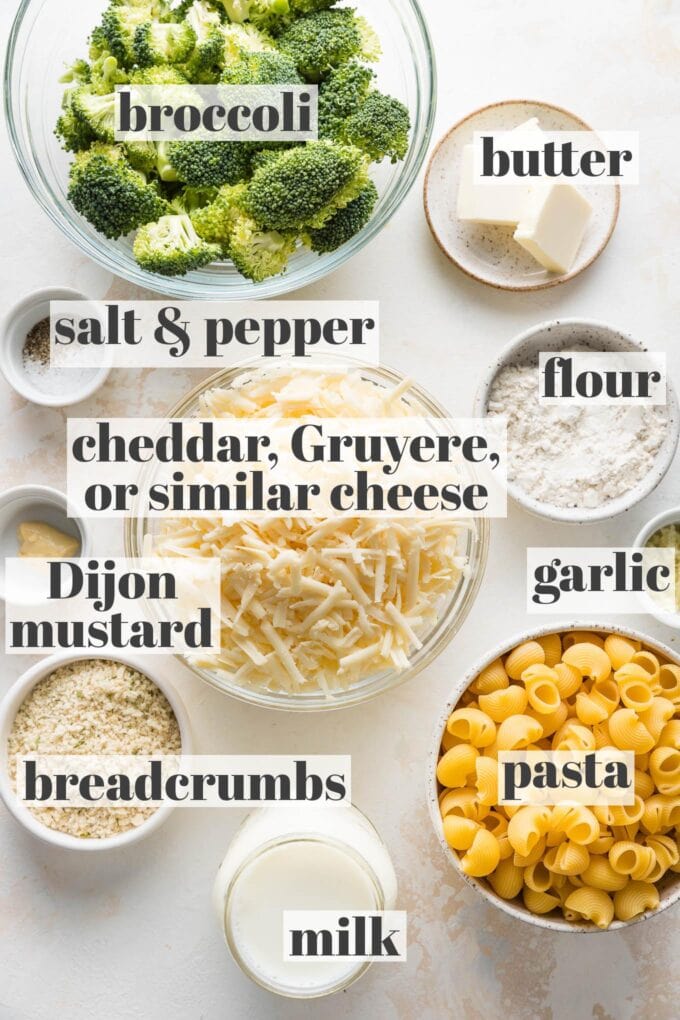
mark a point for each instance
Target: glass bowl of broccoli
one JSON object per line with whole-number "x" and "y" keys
{"x": 221, "y": 219}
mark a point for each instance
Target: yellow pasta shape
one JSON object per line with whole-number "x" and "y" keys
{"x": 657, "y": 715}
{"x": 578, "y": 637}
{"x": 457, "y": 765}
{"x": 634, "y": 899}
{"x": 600, "y": 875}
{"x": 473, "y": 726}
{"x": 669, "y": 682}
{"x": 539, "y": 902}
{"x": 620, "y": 649}
{"x": 449, "y": 741}
{"x": 628, "y": 732}
{"x": 670, "y": 735}
{"x": 661, "y": 813}
{"x": 552, "y": 648}
{"x": 568, "y": 679}
{"x": 603, "y": 843}
{"x": 577, "y": 821}
{"x": 517, "y": 732}
{"x": 483, "y": 856}
{"x": 567, "y": 858}
{"x": 533, "y": 857}
{"x": 527, "y": 826}
{"x": 507, "y": 880}
{"x": 499, "y": 705}
{"x": 635, "y": 693}
{"x": 551, "y": 721}
{"x": 602, "y": 735}
{"x": 644, "y": 784}
{"x": 597, "y": 704}
{"x": 589, "y": 659}
{"x": 520, "y": 658}
{"x": 573, "y": 737}
{"x": 666, "y": 852}
{"x": 504, "y": 847}
{"x": 459, "y": 832}
{"x": 486, "y": 780}
{"x": 463, "y": 802}
{"x": 492, "y": 678}
{"x": 538, "y": 877}
{"x": 627, "y": 814}
{"x": 496, "y": 823}
{"x": 633, "y": 859}
{"x": 591, "y": 905}
{"x": 664, "y": 768}
{"x": 649, "y": 663}
{"x": 544, "y": 696}
{"x": 623, "y": 833}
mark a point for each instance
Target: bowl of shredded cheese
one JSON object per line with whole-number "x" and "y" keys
{"x": 322, "y": 612}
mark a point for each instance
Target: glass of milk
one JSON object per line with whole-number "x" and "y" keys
{"x": 299, "y": 857}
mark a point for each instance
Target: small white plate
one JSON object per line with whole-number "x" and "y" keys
{"x": 489, "y": 253}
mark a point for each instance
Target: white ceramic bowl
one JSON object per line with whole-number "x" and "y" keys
{"x": 36, "y": 503}
{"x": 9, "y": 707}
{"x": 16, "y": 324}
{"x": 669, "y": 887}
{"x": 671, "y": 516}
{"x": 557, "y": 335}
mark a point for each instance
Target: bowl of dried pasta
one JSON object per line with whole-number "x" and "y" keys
{"x": 567, "y": 867}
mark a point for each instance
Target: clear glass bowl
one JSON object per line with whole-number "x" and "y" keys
{"x": 49, "y": 34}
{"x": 474, "y": 544}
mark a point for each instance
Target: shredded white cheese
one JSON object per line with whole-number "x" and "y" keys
{"x": 312, "y": 604}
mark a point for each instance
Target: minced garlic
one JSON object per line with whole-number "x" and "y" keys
{"x": 668, "y": 537}
{"x": 312, "y": 604}
{"x": 93, "y": 706}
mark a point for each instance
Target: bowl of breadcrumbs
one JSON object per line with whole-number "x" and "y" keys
{"x": 77, "y": 704}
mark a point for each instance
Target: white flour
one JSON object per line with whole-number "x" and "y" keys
{"x": 574, "y": 456}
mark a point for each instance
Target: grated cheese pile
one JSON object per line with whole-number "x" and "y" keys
{"x": 93, "y": 706}
{"x": 311, "y": 604}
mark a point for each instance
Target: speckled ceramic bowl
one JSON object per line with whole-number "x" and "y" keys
{"x": 557, "y": 335}
{"x": 669, "y": 887}
{"x": 489, "y": 253}
{"x": 662, "y": 520}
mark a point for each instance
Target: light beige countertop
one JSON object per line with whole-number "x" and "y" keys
{"x": 133, "y": 935}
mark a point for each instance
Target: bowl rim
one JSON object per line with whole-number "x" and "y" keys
{"x": 562, "y": 278}
{"x": 442, "y": 632}
{"x": 670, "y": 896}
{"x": 105, "y": 254}
{"x": 8, "y": 329}
{"x": 9, "y": 706}
{"x": 49, "y": 494}
{"x": 670, "y": 516}
{"x": 664, "y": 457}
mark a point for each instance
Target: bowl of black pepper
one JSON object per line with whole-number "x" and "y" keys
{"x": 25, "y": 354}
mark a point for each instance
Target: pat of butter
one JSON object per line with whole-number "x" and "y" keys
{"x": 553, "y": 225}
{"x": 39, "y": 539}
{"x": 496, "y": 202}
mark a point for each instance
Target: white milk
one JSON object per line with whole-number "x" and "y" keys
{"x": 299, "y": 858}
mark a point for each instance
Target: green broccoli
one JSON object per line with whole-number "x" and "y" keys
{"x": 380, "y": 127}
{"x": 261, "y": 68}
{"x": 142, "y": 156}
{"x": 340, "y": 95}
{"x": 164, "y": 74}
{"x": 204, "y": 64}
{"x": 208, "y": 164}
{"x": 172, "y": 247}
{"x": 345, "y": 223}
{"x": 79, "y": 71}
{"x": 269, "y": 15}
{"x": 98, "y": 112}
{"x": 323, "y": 40}
{"x": 215, "y": 221}
{"x": 310, "y": 6}
{"x": 119, "y": 24}
{"x": 190, "y": 200}
{"x": 163, "y": 43}
{"x": 106, "y": 74}
{"x": 75, "y": 134}
{"x": 305, "y": 186}
{"x": 109, "y": 193}
{"x": 243, "y": 38}
{"x": 259, "y": 253}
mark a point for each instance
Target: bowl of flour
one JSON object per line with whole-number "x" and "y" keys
{"x": 573, "y": 462}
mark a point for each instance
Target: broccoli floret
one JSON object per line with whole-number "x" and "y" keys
{"x": 118, "y": 27}
{"x": 163, "y": 43}
{"x": 164, "y": 167}
{"x": 323, "y": 40}
{"x": 162, "y": 75}
{"x": 215, "y": 222}
{"x": 380, "y": 127}
{"x": 345, "y": 223}
{"x": 75, "y": 134}
{"x": 239, "y": 39}
{"x": 262, "y": 68}
{"x": 340, "y": 95}
{"x": 304, "y": 186}
{"x": 141, "y": 156}
{"x": 172, "y": 247}
{"x": 98, "y": 112}
{"x": 190, "y": 200}
{"x": 259, "y": 253}
{"x": 79, "y": 71}
{"x": 106, "y": 74}
{"x": 109, "y": 193}
{"x": 270, "y": 15}
{"x": 209, "y": 164}
{"x": 310, "y": 6}
{"x": 203, "y": 66}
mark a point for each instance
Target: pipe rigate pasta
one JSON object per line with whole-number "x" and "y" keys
{"x": 573, "y": 690}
